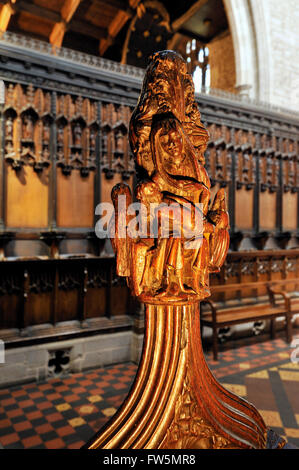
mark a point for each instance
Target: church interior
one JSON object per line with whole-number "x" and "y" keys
{"x": 71, "y": 72}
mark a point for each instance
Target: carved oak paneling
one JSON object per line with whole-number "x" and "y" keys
{"x": 27, "y": 121}
{"x": 67, "y": 116}
{"x": 116, "y": 154}
{"x": 77, "y": 127}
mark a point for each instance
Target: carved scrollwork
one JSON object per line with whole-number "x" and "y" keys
{"x": 97, "y": 278}
{"x": 189, "y": 430}
{"x": 263, "y": 266}
{"x": 231, "y": 269}
{"x": 10, "y": 283}
{"x": 290, "y": 265}
{"x": 68, "y": 281}
{"x": 277, "y": 265}
{"x": 41, "y": 282}
{"x": 248, "y": 268}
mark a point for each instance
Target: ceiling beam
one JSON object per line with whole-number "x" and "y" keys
{"x": 118, "y": 4}
{"x": 67, "y": 11}
{"x": 113, "y": 29}
{"x": 36, "y": 10}
{"x": 179, "y": 22}
{"x": 77, "y": 26}
{"x": 87, "y": 29}
{"x": 116, "y": 25}
{"x": 5, "y": 14}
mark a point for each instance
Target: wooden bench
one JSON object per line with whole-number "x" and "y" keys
{"x": 279, "y": 304}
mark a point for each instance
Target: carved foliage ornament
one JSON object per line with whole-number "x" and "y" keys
{"x": 189, "y": 430}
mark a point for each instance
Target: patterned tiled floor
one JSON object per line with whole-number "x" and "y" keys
{"x": 264, "y": 374}
{"x": 65, "y": 413}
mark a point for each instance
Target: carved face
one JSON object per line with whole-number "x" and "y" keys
{"x": 167, "y": 88}
{"x": 172, "y": 145}
{"x": 148, "y": 193}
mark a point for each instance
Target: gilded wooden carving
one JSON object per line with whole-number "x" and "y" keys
{"x": 175, "y": 401}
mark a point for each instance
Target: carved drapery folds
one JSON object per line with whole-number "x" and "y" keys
{"x": 116, "y": 155}
{"x": 175, "y": 401}
{"x": 77, "y": 127}
{"x": 27, "y": 123}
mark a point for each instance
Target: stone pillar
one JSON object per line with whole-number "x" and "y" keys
{"x": 240, "y": 22}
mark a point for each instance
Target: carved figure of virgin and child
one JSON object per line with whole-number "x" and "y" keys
{"x": 167, "y": 238}
{"x": 168, "y": 141}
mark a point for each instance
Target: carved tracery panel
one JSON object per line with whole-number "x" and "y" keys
{"x": 290, "y": 165}
{"x": 77, "y": 128}
{"x": 116, "y": 155}
{"x": 269, "y": 163}
{"x": 244, "y": 161}
{"x": 218, "y": 156}
{"x": 27, "y": 123}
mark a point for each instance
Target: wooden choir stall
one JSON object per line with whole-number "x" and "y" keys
{"x": 65, "y": 124}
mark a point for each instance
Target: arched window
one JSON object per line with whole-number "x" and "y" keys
{"x": 197, "y": 79}
{"x": 197, "y": 56}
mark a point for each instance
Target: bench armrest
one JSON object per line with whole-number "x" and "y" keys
{"x": 212, "y": 307}
{"x": 273, "y": 292}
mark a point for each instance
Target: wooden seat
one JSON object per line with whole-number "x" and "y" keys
{"x": 243, "y": 314}
{"x": 280, "y": 304}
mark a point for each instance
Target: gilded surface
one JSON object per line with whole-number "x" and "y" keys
{"x": 189, "y": 430}
{"x": 168, "y": 141}
{"x": 175, "y": 401}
